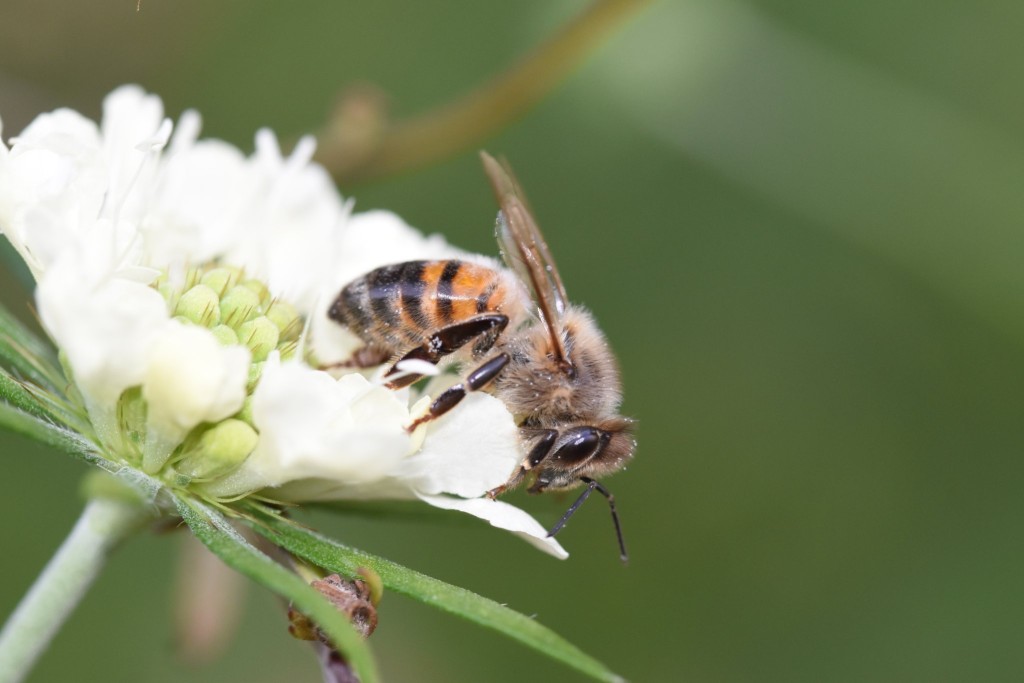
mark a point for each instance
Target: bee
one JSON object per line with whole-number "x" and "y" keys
{"x": 544, "y": 357}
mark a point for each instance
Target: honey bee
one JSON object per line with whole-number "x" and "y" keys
{"x": 544, "y": 357}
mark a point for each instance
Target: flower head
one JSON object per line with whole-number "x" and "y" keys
{"x": 186, "y": 284}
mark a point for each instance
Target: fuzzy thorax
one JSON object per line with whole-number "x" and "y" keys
{"x": 538, "y": 388}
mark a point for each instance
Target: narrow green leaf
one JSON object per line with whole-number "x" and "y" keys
{"x": 214, "y": 530}
{"x": 16, "y": 265}
{"x": 336, "y": 557}
{"x": 40, "y": 402}
{"x": 15, "y": 393}
{"x": 69, "y": 441}
{"x": 45, "y": 432}
{"x": 28, "y": 354}
{"x": 23, "y": 335}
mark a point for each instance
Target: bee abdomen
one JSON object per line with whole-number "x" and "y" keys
{"x": 399, "y": 305}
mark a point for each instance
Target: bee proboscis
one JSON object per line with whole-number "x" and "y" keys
{"x": 544, "y": 357}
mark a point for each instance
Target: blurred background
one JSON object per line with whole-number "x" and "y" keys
{"x": 800, "y": 225}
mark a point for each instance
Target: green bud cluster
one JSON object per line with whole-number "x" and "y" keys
{"x": 238, "y": 311}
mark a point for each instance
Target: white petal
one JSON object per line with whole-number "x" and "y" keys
{"x": 305, "y": 490}
{"x": 468, "y": 451}
{"x": 63, "y": 131}
{"x": 503, "y": 516}
{"x": 313, "y": 426}
{"x": 194, "y": 215}
{"x": 134, "y": 130}
{"x": 52, "y": 182}
{"x": 409, "y": 366}
{"x": 187, "y": 131}
{"x": 158, "y": 140}
{"x": 190, "y": 378}
{"x": 130, "y": 116}
{"x": 105, "y": 329}
{"x": 292, "y": 224}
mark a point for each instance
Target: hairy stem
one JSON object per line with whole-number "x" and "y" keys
{"x": 358, "y": 146}
{"x": 60, "y": 587}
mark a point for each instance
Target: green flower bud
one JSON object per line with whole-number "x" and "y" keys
{"x": 131, "y": 415}
{"x": 286, "y": 318}
{"x": 192, "y": 276}
{"x": 260, "y": 289}
{"x": 170, "y": 294}
{"x": 219, "y": 450}
{"x": 255, "y": 372}
{"x": 201, "y": 305}
{"x": 221, "y": 280}
{"x": 260, "y": 335}
{"x": 225, "y": 335}
{"x": 239, "y": 306}
{"x": 288, "y": 349}
{"x": 245, "y": 414}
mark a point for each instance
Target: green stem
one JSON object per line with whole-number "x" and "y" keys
{"x": 60, "y": 587}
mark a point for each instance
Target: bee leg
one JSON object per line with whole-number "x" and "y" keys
{"x": 448, "y": 340}
{"x": 593, "y": 485}
{"x": 476, "y": 380}
{"x": 498, "y": 490}
{"x": 545, "y": 440}
{"x": 365, "y": 357}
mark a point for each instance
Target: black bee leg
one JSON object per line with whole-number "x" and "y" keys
{"x": 476, "y": 380}
{"x": 545, "y": 440}
{"x": 593, "y": 484}
{"x": 448, "y": 340}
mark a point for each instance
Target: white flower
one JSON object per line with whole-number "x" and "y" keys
{"x": 322, "y": 439}
{"x": 347, "y": 433}
{"x": 190, "y": 379}
{"x": 169, "y": 267}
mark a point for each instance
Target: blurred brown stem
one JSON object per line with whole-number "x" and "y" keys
{"x": 208, "y": 604}
{"x": 359, "y": 144}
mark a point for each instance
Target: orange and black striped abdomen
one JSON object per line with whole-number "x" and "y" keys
{"x": 398, "y": 306}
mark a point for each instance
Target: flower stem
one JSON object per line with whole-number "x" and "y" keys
{"x": 60, "y": 587}
{"x": 357, "y": 146}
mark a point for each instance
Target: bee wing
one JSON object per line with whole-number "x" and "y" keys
{"x": 524, "y": 250}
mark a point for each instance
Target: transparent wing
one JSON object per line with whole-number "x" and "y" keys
{"x": 524, "y": 250}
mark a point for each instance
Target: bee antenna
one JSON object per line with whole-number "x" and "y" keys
{"x": 593, "y": 484}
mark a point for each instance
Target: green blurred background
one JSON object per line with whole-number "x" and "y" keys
{"x": 799, "y": 223}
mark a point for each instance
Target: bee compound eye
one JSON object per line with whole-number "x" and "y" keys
{"x": 580, "y": 444}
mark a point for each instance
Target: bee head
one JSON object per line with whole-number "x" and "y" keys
{"x": 585, "y": 451}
